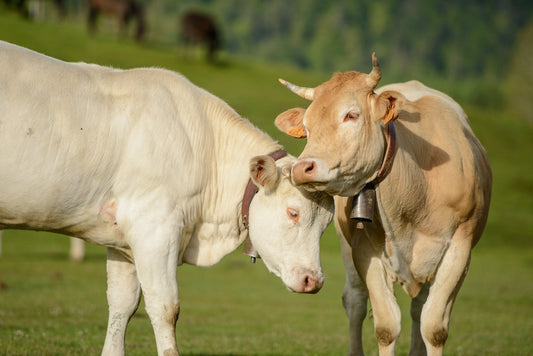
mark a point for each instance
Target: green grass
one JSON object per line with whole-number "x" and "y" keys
{"x": 51, "y": 306}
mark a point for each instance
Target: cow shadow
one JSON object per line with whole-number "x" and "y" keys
{"x": 426, "y": 155}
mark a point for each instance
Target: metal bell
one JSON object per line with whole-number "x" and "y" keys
{"x": 250, "y": 250}
{"x": 363, "y": 204}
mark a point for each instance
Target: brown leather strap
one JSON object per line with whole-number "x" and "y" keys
{"x": 251, "y": 189}
{"x": 389, "y": 154}
{"x": 249, "y": 194}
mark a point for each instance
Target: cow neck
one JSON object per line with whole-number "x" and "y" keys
{"x": 364, "y": 202}
{"x": 249, "y": 193}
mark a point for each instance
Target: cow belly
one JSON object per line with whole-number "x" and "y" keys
{"x": 93, "y": 222}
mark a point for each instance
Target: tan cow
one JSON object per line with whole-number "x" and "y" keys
{"x": 413, "y": 148}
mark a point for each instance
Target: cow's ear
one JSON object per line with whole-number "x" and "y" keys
{"x": 388, "y": 105}
{"x": 291, "y": 122}
{"x": 264, "y": 172}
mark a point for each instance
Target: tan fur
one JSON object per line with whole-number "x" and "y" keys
{"x": 431, "y": 208}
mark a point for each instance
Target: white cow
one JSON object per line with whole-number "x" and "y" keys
{"x": 155, "y": 168}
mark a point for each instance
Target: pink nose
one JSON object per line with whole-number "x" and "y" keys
{"x": 304, "y": 172}
{"x": 311, "y": 284}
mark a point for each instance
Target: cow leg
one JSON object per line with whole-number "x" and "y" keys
{"x": 417, "y": 343}
{"x": 442, "y": 293}
{"x": 354, "y": 299}
{"x": 385, "y": 309}
{"x": 155, "y": 250}
{"x": 77, "y": 249}
{"x": 123, "y": 296}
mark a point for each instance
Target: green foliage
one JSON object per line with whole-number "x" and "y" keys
{"x": 50, "y": 306}
{"x": 453, "y": 38}
{"x": 520, "y": 77}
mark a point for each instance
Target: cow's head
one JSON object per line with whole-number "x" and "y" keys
{"x": 286, "y": 223}
{"x": 344, "y": 128}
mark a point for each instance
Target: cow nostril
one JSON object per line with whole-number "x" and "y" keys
{"x": 310, "y": 284}
{"x": 310, "y": 167}
{"x": 304, "y": 171}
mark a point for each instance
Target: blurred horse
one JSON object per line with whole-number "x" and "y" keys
{"x": 125, "y": 10}
{"x": 200, "y": 28}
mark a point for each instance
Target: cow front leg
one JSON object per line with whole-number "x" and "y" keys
{"x": 385, "y": 308}
{"x": 436, "y": 312}
{"x": 354, "y": 300}
{"x": 156, "y": 257}
{"x": 123, "y": 296}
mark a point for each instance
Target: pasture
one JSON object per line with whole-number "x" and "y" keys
{"x": 52, "y": 306}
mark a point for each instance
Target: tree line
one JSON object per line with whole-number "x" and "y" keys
{"x": 452, "y": 38}
{"x": 455, "y": 39}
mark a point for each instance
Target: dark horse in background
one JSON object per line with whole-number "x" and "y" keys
{"x": 125, "y": 10}
{"x": 199, "y": 28}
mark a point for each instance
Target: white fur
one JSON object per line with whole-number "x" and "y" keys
{"x": 146, "y": 163}
{"x": 431, "y": 207}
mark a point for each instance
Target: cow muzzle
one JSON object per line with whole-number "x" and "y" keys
{"x": 313, "y": 174}
{"x": 306, "y": 282}
{"x": 312, "y": 285}
{"x": 310, "y": 171}
{"x": 304, "y": 171}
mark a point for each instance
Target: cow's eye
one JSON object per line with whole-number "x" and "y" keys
{"x": 352, "y": 115}
{"x": 293, "y": 214}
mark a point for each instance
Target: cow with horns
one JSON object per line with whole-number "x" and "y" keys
{"x": 412, "y": 186}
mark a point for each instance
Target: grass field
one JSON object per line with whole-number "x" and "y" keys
{"x": 51, "y": 306}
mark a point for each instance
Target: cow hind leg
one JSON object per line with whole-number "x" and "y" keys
{"x": 417, "y": 343}
{"x": 354, "y": 300}
{"x": 123, "y": 296}
{"x": 442, "y": 293}
{"x": 77, "y": 249}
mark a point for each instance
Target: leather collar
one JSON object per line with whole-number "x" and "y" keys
{"x": 389, "y": 154}
{"x": 249, "y": 194}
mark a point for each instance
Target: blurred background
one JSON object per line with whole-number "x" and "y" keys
{"x": 480, "y": 44}
{"x": 478, "y": 52}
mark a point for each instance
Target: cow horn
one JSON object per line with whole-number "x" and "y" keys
{"x": 306, "y": 93}
{"x": 375, "y": 75}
